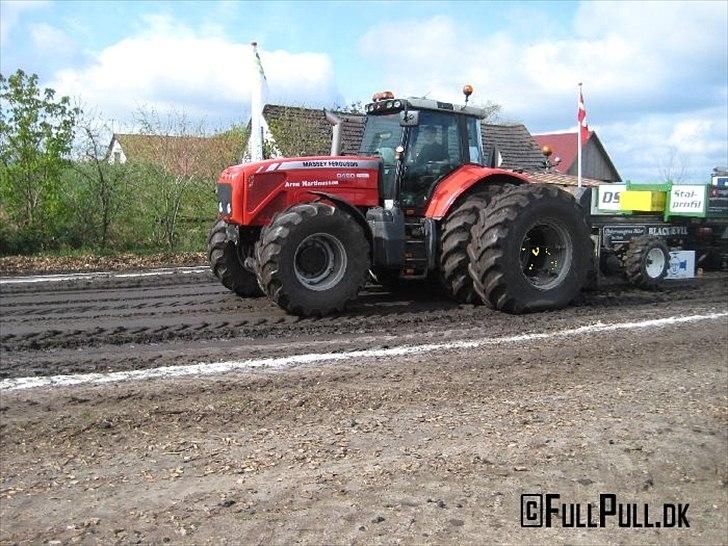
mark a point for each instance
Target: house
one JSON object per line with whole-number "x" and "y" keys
{"x": 186, "y": 155}
{"x": 595, "y": 161}
{"x": 511, "y": 147}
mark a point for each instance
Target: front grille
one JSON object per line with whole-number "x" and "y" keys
{"x": 225, "y": 199}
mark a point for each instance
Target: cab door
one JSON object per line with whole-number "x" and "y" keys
{"x": 435, "y": 148}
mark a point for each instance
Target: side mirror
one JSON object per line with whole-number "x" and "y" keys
{"x": 409, "y": 118}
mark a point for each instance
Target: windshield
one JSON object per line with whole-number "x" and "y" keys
{"x": 382, "y": 135}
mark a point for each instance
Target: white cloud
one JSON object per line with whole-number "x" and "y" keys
{"x": 169, "y": 66}
{"x": 662, "y": 64}
{"x": 641, "y": 147}
{"x": 48, "y": 39}
{"x": 10, "y": 14}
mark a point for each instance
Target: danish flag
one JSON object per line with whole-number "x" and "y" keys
{"x": 581, "y": 118}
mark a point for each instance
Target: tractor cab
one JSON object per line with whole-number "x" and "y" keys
{"x": 420, "y": 142}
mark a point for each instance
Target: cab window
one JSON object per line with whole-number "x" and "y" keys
{"x": 433, "y": 151}
{"x": 475, "y": 141}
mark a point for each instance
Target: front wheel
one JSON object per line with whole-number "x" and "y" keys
{"x": 530, "y": 250}
{"x": 226, "y": 261}
{"x": 312, "y": 259}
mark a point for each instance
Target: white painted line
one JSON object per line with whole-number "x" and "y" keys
{"x": 202, "y": 368}
{"x": 31, "y": 279}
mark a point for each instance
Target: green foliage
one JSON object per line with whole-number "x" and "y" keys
{"x": 294, "y": 137}
{"x": 163, "y": 199}
{"x": 36, "y": 133}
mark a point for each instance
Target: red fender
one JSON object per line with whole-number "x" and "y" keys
{"x": 461, "y": 180}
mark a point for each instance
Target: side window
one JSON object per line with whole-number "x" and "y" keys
{"x": 475, "y": 141}
{"x": 435, "y": 140}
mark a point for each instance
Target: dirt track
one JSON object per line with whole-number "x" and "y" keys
{"x": 130, "y": 323}
{"x": 429, "y": 448}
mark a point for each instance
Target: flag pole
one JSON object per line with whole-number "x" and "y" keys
{"x": 256, "y": 108}
{"x": 578, "y": 140}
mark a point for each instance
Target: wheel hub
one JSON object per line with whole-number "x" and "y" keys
{"x": 546, "y": 255}
{"x": 320, "y": 261}
{"x": 312, "y": 259}
{"x": 654, "y": 263}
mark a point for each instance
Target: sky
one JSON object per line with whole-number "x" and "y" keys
{"x": 655, "y": 74}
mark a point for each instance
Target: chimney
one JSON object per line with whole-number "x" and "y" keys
{"x": 335, "y": 122}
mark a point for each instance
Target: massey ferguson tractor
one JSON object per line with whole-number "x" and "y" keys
{"x": 415, "y": 203}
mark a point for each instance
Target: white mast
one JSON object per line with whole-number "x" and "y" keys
{"x": 255, "y": 142}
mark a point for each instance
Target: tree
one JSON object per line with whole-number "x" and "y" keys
{"x": 294, "y": 133}
{"x": 103, "y": 185}
{"x": 674, "y": 167}
{"x": 36, "y": 133}
{"x": 182, "y": 164}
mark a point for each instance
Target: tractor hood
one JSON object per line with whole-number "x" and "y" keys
{"x": 250, "y": 194}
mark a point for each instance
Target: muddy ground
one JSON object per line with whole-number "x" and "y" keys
{"x": 429, "y": 448}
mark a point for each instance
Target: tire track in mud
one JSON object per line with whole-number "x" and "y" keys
{"x": 113, "y": 327}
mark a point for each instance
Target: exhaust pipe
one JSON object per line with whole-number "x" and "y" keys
{"x": 335, "y": 122}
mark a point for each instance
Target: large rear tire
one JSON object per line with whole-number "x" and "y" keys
{"x": 454, "y": 240}
{"x": 226, "y": 261}
{"x": 646, "y": 262}
{"x": 530, "y": 250}
{"x": 312, "y": 259}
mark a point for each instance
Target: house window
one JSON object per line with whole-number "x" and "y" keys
{"x": 117, "y": 157}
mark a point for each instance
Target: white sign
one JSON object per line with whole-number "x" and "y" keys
{"x": 685, "y": 199}
{"x": 682, "y": 264}
{"x": 609, "y": 196}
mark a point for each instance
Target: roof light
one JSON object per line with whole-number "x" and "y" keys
{"x": 467, "y": 91}
{"x": 382, "y": 95}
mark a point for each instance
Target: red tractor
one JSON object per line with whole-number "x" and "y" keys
{"x": 417, "y": 202}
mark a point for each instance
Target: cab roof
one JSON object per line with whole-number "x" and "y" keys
{"x": 389, "y": 106}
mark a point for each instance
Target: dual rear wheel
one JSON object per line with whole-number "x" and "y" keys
{"x": 530, "y": 250}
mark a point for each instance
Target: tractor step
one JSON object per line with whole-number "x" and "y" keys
{"x": 415, "y": 253}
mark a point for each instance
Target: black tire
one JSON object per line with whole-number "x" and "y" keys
{"x": 287, "y": 271}
{"x": 227, "y": 265}
{"x": 454, "y": 240}
{"x": 640, "y": 266}
{"x": 508, "y": 233}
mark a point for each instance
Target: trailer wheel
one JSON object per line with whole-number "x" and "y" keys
{"x": 226, "y": 261}
{"x": 530, "y": 250}
{"x": 646, "y": 262}
{"x": 312, "y": 259}
{"x": 454, "y": 240}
